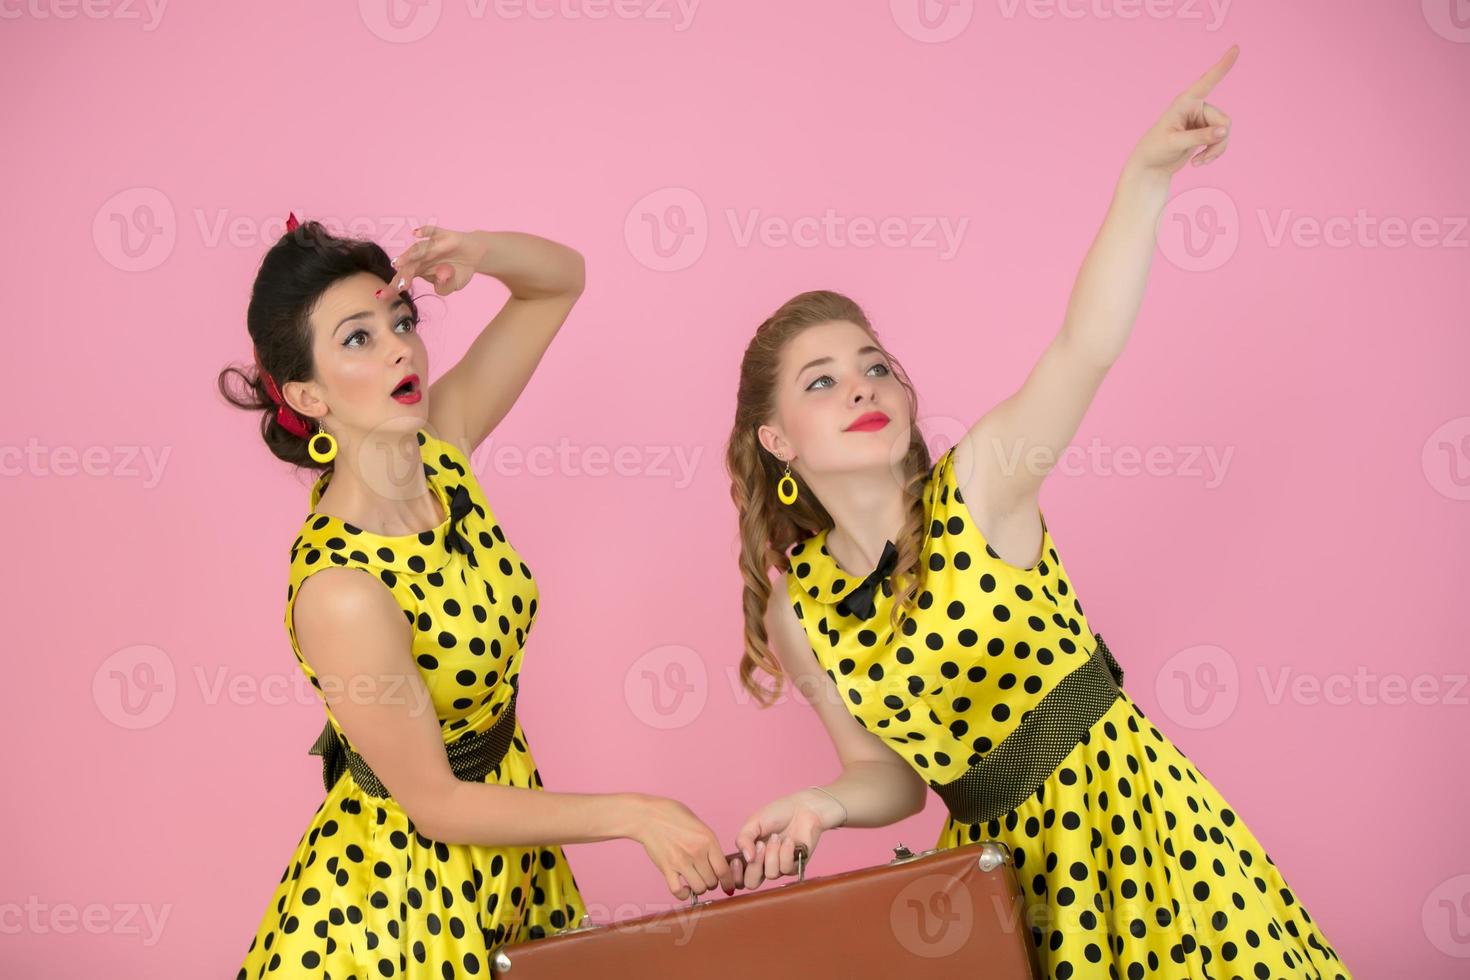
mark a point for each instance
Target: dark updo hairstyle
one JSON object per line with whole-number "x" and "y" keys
{"x": 293, "y": 275}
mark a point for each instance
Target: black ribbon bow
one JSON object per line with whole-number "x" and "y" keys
{"x": 459, "y": 506}
{"x": 860, "y": 601}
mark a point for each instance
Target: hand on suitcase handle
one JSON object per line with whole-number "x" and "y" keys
{"x": 683, "y": 847}
{"x": 773, "y": 835}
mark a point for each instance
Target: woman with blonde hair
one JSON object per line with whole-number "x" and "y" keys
{"x": 925, "y": 614}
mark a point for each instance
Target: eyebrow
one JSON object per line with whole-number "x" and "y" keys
{"x": 870, "y": 349}
{"x": 365, "y": 314}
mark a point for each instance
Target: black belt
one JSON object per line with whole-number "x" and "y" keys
{"x": 1011, "y": 773}
{"x": 471, "y": 758}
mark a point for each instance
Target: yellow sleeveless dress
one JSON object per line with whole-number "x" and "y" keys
{"x": 1132, "y": 864}
{"x": 364, "y": 894}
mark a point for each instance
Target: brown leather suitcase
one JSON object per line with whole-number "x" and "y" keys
{"x": 951, "y": 913}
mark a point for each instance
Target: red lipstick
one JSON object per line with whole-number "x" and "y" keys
{"x": 869, "y": 422}
{"x": 407, "y": 392}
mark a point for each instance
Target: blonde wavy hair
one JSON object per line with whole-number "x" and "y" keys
{"x": 768, "y": 528}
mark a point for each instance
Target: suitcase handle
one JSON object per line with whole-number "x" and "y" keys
{"x": 801, "y": 856}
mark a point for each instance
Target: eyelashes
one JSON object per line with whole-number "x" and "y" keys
{"x": 412, "y": 321}
{"x": 828, "y": 377}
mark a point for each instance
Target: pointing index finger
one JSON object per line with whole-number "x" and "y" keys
{"x": 1211, "y": 78}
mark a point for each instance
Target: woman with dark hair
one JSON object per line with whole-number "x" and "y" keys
{"x": 925, "y": 614}
{"x": 408, "y": 609}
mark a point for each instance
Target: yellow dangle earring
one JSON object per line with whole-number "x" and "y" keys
{"x": 321, "y": 446}
{"x": 786, "y": 487}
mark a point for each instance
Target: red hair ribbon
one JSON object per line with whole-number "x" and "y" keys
{"x": 288, "y": 418}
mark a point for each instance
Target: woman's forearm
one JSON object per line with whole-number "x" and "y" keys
{"x": 874, "y": 794}
{"x": 490, "y": 814}
{"x": 1109, "y": 287}
{"x": 531, "y": 267}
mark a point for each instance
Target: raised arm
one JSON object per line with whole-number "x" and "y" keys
{"x": 545, "y": 279}
{"x": 1002, "y": 460}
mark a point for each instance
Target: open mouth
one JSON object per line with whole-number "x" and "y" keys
{"x": 409, "y": 387}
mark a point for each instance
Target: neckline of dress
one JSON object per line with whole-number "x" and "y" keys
{"x": 435, "y": 485}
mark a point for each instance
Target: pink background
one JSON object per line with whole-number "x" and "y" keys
{"x": 151, "y": 161}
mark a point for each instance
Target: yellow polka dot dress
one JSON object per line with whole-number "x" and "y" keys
{"x": 365, "y": 894}
{"x": 1132, "y": 864}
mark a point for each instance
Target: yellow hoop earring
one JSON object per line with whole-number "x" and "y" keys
{"x": 321, "y": 446}
{"x": 786, "y": 487}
